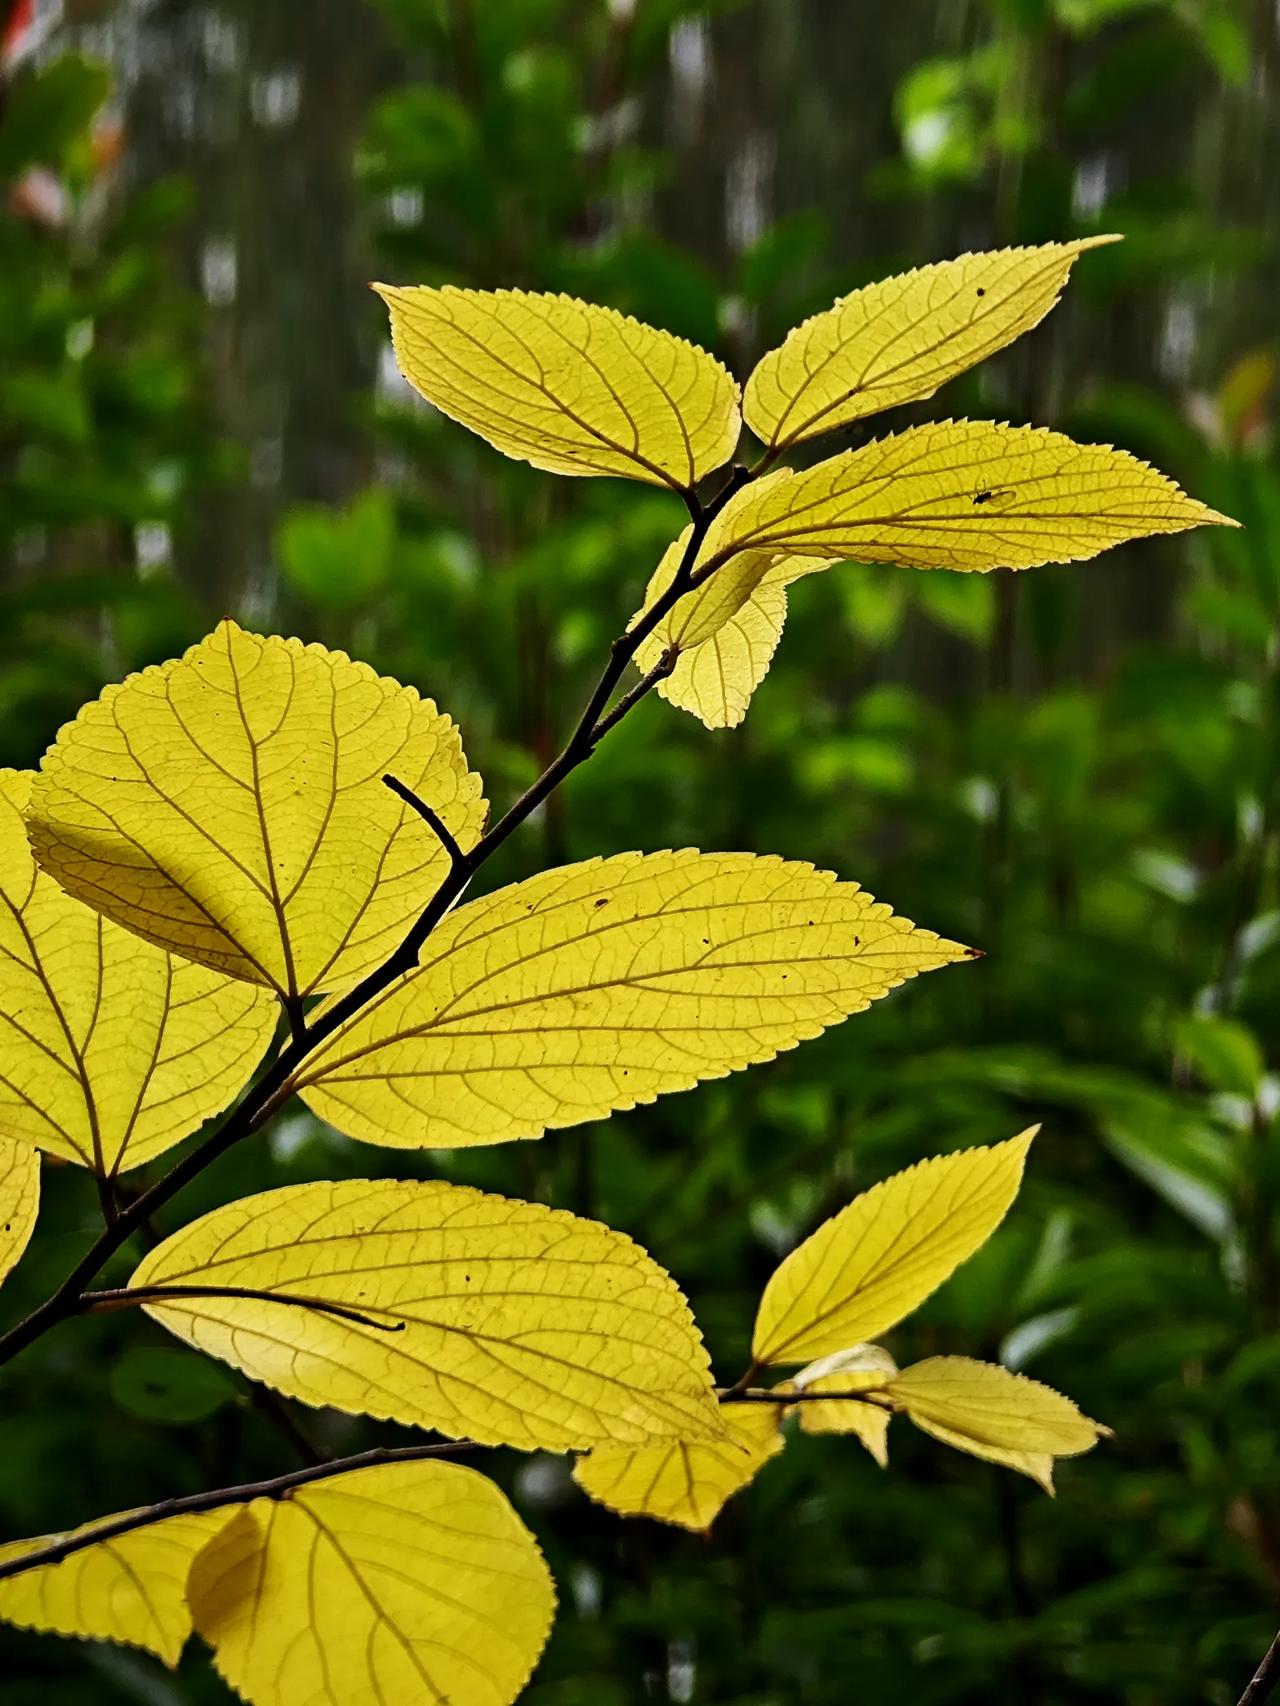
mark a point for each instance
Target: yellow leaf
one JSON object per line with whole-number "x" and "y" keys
{"x": 862, "y": 1368}
{"x": 959, "y": 495}
{"x": 477, "y": 1315}
{"x": 19, "y": 1201}
{"x": 412, "y": 1584}
{"x": 601, "y": 985}
{"x": 685, "y": 1482}
{"x": 132, "y": 1588}
{"x": 991, "y": 1413}
{"x": 899, "y": 340}
{"x": 567, "y": 386}
{"x": 113, "y": 1051}
{"x": 724, "y": 632}
{"x": 870, "y": 1265}
{"x": 229, "y": 806}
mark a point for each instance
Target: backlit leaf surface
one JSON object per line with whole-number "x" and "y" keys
{"x": 131, "y": 1589}
{"x": 514, "y": 1324}
{"x": 959, "y": 495}
{"x": 870, "y": 1265}
{"x": 111, "y": 1050}
{"x": 19, "y": 1200}
{"x": 991, "y": 1413}
{"x": 724, "y": 632}
{"x": 565, "y": 385}
{"x": 601, "y": 985}
{"x": 229, "y": 806}
{"x": 406, "y": 1584}
{"x": 861, "y": 1368}
{"x": 684, "y": 1482}
{"x": 898, "y": 340}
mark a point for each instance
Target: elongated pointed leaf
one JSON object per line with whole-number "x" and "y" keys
{"x": 989, "y": 1412}
{"x": 898, "y": 340}
{"x": 229, "y": 806}
{"x": 968, "y": 495}
{"x": 870, "y": 1265}
{"x": 570, "y": 387}
{"x": 412, "y": 1584}
{"x": 112, "y": 1050}
{"x": 472, "y": 1314}
{"x": 604, "y": 984}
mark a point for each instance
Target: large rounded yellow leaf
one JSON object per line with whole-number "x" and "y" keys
{"x": 411, "y": 1584}
{"x": 131, "y": 1588}
{"x": 898, "y": 340}
{"x": 19, "y": 1201}
{"x": 113, "y": 1050}
{"x": 601, "y": 985}
{"x": 989, "y": 1412}
{"x": 959, "y": 495}
{"x": 229, "y": 806}
{"x": 567, "y": 386}
{"x": 478, "y": 1315}
{"x": 685, "y": 1482}
{"x": 870, "y": 1265}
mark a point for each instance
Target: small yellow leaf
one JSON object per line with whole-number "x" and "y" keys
{"x": 229, "y": 806}
{"x": 478, "y": 1316}
{"x": 959, "y": 495}
{"x": 724, "y": 632}
{"x": 19, "y": 1201}
{"x": 567, "y": 386}
{"x": 870, "y": 1265}
{"x": 899, "y": 340}
{"x": 989, "y": 1412}
{"x": 688, "y": 1482}
{"x": 862, "y": 1368}
{"x": 112, "y": 1050}
{"x": 132, "y": 1588}
{"x": 601, "y": 985}
{"x": 411, "y": 1584}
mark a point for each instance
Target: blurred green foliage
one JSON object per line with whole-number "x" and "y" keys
{"x": 1074, "y": 770}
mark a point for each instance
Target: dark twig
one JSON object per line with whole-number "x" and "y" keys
{"x": 278, "y": 1488}
{"x": 124, "y": 1297}
{"x": 442, "y": 832}
{"x": 1265, "y": 1678}
{"x": 877, "y": 1400}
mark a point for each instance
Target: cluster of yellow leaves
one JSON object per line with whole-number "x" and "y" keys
{"x": 861, "y": 1273}
{"x": 410, "y": 1582}
{"x": 216, "y": 833}
{"x": 584, "y": 390}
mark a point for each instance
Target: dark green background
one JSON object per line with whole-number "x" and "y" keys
{"x": 1074, "y": 770}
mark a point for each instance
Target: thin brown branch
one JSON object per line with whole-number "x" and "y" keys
{"x": 192, "y": 1503}
{"x": 877, "y": 1400}
{"x": 432, "y": 818}
{"x": 125, "y": 1297}
{"x": 1265, "y": 1678}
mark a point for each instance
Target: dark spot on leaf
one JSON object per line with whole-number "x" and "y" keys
{"x": 982, "y": 290}
{"x": 603, "y": 901}
{"x": 982, "y": 497}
